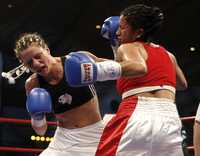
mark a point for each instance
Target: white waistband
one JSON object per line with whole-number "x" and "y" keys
{"x": 146, "y": 89}
{"x": 98, "y": 124}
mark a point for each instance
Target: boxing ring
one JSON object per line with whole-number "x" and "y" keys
{"x": 52, "y": 123}
{"x": 20, "y": 149}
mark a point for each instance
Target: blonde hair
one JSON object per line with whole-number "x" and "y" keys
{"x": 28, "y": 39}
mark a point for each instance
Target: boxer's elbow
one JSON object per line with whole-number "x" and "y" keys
{"x": 181, "y": 85}
{"x": 135, "y": 70}
{"x": 143, "y": 70}
{"x": 140, "y": 70}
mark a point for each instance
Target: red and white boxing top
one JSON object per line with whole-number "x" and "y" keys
{"x": 161, "y": 74}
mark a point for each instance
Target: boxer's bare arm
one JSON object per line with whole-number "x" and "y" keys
{"x": 95, "y": 58}
{"x": 181, "y": 82}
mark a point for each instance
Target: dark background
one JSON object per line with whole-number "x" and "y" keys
{"x": 70, "y": 25}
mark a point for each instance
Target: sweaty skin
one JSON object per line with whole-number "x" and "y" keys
{"x": 39, "y": 60}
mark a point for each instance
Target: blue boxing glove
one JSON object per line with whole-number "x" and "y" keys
{"x": 81, "y": 70}
{"x": 109, "y": 29}
{"x": 38, "y": 103}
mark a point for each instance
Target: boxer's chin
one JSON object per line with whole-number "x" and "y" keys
{"x": 43, "y": 71}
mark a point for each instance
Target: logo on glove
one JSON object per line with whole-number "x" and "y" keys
{"x": 86, "y": 72}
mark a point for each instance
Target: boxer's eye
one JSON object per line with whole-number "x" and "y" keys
{"x": 29, "y": 63}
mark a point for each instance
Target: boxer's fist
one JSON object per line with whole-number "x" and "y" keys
{"x": 109, "y": 29}
{"x": 80, "y": 69}
{"x": 38, "y": 103}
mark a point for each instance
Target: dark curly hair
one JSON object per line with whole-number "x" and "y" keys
{"x": 143, "y": 16}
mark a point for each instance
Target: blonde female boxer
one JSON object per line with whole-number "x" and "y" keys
{"x": 76, "y": 109}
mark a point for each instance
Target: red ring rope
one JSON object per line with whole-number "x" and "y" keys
{"x": 38, "y": 150}
{"x": 188, "y": 118}
{"x": 23, "y": 121}
{"x": 19, "y": 149}
{"x": 190, "y": 147}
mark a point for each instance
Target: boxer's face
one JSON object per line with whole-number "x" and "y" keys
{"x": 36, "y": 59}
{"x": 126, "y": 33}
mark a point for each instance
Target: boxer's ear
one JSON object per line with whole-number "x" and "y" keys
{"x": 139, "y": 32}
{"x": 48, "y": 50}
